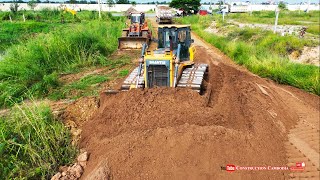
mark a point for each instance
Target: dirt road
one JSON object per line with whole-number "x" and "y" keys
{"x": 169, "y": 133}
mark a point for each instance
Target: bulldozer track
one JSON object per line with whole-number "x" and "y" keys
{"x": 193, "y": 77}
{"x": 132, "y": 79}
{"x": 303, "y": 142}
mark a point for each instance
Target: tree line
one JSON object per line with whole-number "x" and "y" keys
{"x": 86, "y": 2}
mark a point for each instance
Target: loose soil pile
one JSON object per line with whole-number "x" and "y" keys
{"x": 309, "y": 55}
{"x": 167, "y": 133}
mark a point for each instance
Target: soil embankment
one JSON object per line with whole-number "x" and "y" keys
{"x": 167, "y": 133}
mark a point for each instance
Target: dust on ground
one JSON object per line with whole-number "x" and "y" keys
{"x": 74, "y": 112}
{"x": 309, "y": 55}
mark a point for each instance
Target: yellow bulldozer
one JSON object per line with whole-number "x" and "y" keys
{"x": 171, "y": 64}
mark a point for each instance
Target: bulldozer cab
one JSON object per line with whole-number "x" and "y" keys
{"x": 170, "y": 36}
{"x": 137, "y": 18}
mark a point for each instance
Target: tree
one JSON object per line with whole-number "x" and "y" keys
{"x": 110, "y": 4}
{"x": 123, "y": 2}
{"x": 32, "y": 4}
{"x": 133, "y": 3}
{"x": 282, "y": 5}
{"x": 14, "y": 6}
{"x": 187, "y": 5}
{"x": 72, "y": 1}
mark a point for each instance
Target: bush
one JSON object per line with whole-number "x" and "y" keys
{"x": 32, "y": 143}
{"x": 6, "y": 16}
{"x": 33, "y": 67}
{"x": 282, "y": 5}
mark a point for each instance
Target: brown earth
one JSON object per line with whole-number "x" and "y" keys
{"x": 309, "y": 55}
{"x": 167, "y": 133}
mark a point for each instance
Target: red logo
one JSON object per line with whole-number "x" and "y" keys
{"x": 300, "y": 164}
{"x": 230, "y": 168}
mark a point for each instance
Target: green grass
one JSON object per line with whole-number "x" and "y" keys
{"x": 13, "y": 33}
{"x": 55, "y": 16}
{"x": 89, "y": 85}
{"x": 88, "y": 81}
{"x": 34, "y": 67}
{"x": 262, "y": 52}
{"x": 123, "y": 73}
{"x": 32, "y": 143}
{"x": 86, "y": 86}
{"x": 42, "y": 21}
{"x": 310, "y": 20}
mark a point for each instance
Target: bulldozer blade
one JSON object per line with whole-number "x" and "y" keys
{"x": 132, "y": 42}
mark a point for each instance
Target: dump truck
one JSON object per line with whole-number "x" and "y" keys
{"x": 137, "y": 34}
{"x": 171, "y": 64}
{"x": 164, "y": 15}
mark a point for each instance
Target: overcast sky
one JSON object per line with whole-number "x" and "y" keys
{"x": 213, "y": 1}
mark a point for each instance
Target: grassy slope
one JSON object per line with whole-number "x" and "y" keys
{"x": 263, "y": 53}
{"x": 91, "y": 84}
{"x": 33, "y": 67}
{"x": 310, "y": 20}
{"x": 38, "y": 22}
{"x": 13, "y": 33}
{"x": 32, "y": 143}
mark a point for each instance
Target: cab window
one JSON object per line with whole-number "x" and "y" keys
{"x": 182, "y": 35}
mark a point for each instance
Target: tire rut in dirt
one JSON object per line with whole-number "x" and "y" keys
{"x": 303, "y": 139}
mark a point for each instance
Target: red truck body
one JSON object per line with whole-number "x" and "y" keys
{"x": 203, "y": 12}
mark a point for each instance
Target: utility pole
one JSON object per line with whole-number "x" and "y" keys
{"x": 308, "y": 6}
{"x": 224, "y": 10}
{"x": 223, "y": 13}
{"x": 251, "y": 7}
{"x": 276, "y": 21}
{"x": 99, "y": 3}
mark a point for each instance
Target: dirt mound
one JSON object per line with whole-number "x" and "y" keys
{"x": 129, "y": 11}
{"x": 167, "y": 133}
{"x": 170, "y": 133}
{"x": 309, "y": 55}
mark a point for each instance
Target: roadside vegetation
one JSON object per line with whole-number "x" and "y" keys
{"x": 37, "y": 55}
{"x": 262, "y": 52}
{"x": 33, "y": 143}
{"x": 33, "y": 67}
{"x": 310, "y": 20}
{"x": 17, "y": 31}
{"x": 92, "y": 83}
{"x": 13, "y": 33}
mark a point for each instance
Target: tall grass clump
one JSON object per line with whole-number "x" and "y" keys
{"x": 262, "y": 52}
{"x": 32, "y": 143}
{"x": 13, "y": 33}
{"x": 34, "y": 67}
